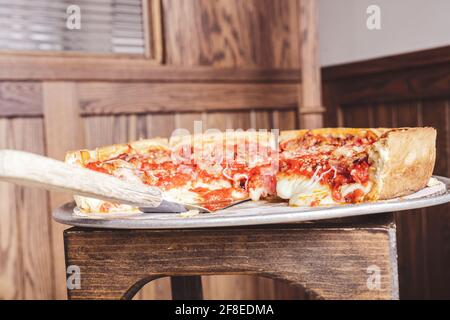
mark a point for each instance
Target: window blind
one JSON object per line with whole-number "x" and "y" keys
{"x": 106, "y": 26}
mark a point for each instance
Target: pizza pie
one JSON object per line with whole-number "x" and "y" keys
{"x": 306, "y": 167}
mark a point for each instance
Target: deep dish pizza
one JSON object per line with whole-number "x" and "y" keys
{"x": 305, "y": 167}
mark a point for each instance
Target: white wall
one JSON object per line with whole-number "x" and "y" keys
{"x": 406, "y": 25}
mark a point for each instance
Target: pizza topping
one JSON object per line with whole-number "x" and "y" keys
{"x": 216, "y": 180}
{"x": 336, "y": 167}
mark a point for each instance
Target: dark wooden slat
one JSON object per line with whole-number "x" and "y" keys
{"x": 425, "y": 82}
{"x": 411, "y": 224}
{"x": 385, "y": 64}
{"x": 357, "y": 117}
{"x": 20, "y": 99}
{"x": 437, "y": 246}
{"x": 116, "y": 98}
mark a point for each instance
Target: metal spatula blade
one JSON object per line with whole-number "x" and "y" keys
{"x": 176, "y": 207}
{"x": 29, "y": 169}
{"x": 173, "y": 207}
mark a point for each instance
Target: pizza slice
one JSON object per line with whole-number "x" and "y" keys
{"x": 344, "y": 165}
{"x": 212, "y": 170}
{"x": 228, "y": 166}
{"x": 128, "y": 162}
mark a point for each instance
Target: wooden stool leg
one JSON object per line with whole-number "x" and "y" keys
{"x": 186, "y": 288}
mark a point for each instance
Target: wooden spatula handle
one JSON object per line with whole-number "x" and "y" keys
{"x": 34, "y": 170}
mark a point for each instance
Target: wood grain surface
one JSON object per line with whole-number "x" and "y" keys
{"x": 328, "y": 261}
{"x": 26, "y": 268}
{"x": 231, "y": 33}
{"x": 117, "y": 98}
{"x": 58, "y": 68}
{"x": 310, "y": 110}
{"x": 20, "y": 99}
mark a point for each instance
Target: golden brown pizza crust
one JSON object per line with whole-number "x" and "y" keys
{"x": 404, "y": 160}
{"x": 335, "y": 132}
{"x": 82, "y": 157}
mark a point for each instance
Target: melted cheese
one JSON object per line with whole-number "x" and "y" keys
{"x": 349, "y": 188}
{"x": 181, "y": 195}
{"x": 301, "y": 191}
{"x": 213, "y": 185}
{"x": 257, "y": 193}
{"x": 92, "y": 205}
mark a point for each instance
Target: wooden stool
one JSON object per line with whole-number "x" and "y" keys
{"x": 334, "y": 259}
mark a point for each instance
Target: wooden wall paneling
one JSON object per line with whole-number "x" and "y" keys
{"x": 411, "y": 232}
{"x": 228, "y": 120}
{"x": 436, "y": 113}
{"x": 285, "y": 120}
{"x": 261, "y": 120}
{"x": 333, "y": 116}
{"x": 20, "y": 99}
{"x": 415, "y": 59}
{"x": 160, "y": 125}
{"x": 33, "y": 218}
{"x": 63, "y": 132}
{"x": 26, "y": 269}
{"x": 230, "y": 33}
{"x": 309, "y": 94}
{"x": 116, "y": 98}
{"x": 62, "y": 68}
{"x": 358, "y": 116}
{"x": 99, "y": 130}
{"x": 11, "y": 266}
{"x": 417, "y": 83}
{"x": 187, "y": 121}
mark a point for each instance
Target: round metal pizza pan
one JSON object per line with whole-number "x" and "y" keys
{"x": 251, "y": 213}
